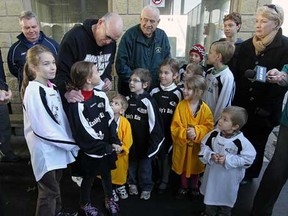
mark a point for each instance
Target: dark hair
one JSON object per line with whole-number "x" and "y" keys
{"x": 235, "y": 16}
{"x": 79, "y": 73}
{"x": 144, "y": 76}
{"x": 123, "y": 100}
{"x": 238, "y": 115}
{"x": 225, "y": 48}
{"x": 32, "y": 58}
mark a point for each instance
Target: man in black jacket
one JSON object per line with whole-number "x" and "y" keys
{"x": 5, "y": 128}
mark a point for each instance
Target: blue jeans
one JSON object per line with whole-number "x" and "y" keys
{"x": 140, "y": 172}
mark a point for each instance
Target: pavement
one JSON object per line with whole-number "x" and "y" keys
{"x": 19, "y": 192}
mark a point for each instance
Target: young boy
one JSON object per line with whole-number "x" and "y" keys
{"x": 119, "y": 175}
{"x": 226, "y": 153}
{"x": 147, "y": 130}
{"x": 219, "y": 78}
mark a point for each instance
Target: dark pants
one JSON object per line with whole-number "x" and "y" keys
{"x": 274, "y": 178}
{"x": 123, "y": 87}
{"x": 5, "y": 129}
{"x": 87, "y": 184}
{"x": 257, "y": 134}
{"x": 49, "y": 197}
{"x": 212, "y": 210}
{"x": 141, "y": 170}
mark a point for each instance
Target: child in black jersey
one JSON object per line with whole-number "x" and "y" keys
{"x": 167, "y": 96}
{"x": 94, "y": 129}
{"x": 147, "y": 131}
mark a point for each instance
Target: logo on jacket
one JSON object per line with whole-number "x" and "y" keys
{"x": 101, "y": 61}
{"x": 158, "y": 49}
{"x": 101, "y": 105}
{"x": 141, "y": 110}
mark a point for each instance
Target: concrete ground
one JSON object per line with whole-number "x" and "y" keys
{"x": 19, "y": 192}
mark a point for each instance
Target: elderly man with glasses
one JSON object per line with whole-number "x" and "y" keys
{"x": 142, "y": 46}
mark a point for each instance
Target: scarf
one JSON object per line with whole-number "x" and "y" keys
{"x": 261, "y": 44}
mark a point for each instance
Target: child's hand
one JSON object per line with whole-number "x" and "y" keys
{"x": 215, "y": 157}
{"x": 191, "y": 133}
{"x": 117, "y": 148}
{"x": 221, "y": 159}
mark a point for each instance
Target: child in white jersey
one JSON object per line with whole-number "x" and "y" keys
{"x": 220, "y": 80}
{"x": 226, "y": 153}
{"x": 46, "y": 129}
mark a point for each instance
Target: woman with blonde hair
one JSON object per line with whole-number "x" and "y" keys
{"x": 263, "y": 101}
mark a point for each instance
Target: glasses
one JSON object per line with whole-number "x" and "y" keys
{"x": 134, "y": 80}
{"x": 272, "y": 6}
{"x": 108, "y": 37}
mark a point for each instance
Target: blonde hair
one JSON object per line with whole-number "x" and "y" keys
{"x": 225, "y": 48}
{"x": 272, "y": 12}
{"x": 197, "y": 84}
{"x": 238, "y": 115}
{"x": 32, "y": 58}
{"x": 195, "y": 68}
{"x": 123, "y": 100}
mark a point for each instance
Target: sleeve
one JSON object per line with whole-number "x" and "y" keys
{"x": 242, "y": 160}
{"x": 126, "y": 134}
{"x": 205, "y": 151}
{"x": 13, "y": 68}
{"x": 207, "y": 124}
{"x": 178, "y": 129}
{"x": 225, "y": 96}
{"x": 52, "y": 133}
{"x": 67, "y": 55}
{"x": 124, "y": 57}
{"x": 156, "y": 130}
{"x": 167, "y": 53}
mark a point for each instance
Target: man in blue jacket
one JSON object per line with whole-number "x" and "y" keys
{"x": 30, "y": 36}
{"x": 142, "y": 46}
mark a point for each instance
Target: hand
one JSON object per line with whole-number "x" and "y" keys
{"x": 107, "y": 85}
{"x": 275, "y": 76}
{"x": 5, "y": 96}
{"x": 191, "y": 133}
{"x": 74, "y": 96}
{"x": 221, "y": 159}
{"x": 215, "y": 157}
{"x": 117, "y": 148}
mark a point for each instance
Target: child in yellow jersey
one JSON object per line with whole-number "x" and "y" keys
{"x": 192, "y": 120}
{"x": 119, "y": 175}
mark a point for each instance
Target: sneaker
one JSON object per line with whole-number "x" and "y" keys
{"x": 77, "y": 180}
{"x": 145, "y": 195}
{"x": 112, "y": 207}
{"x": 90, "y": 210}
{"x": 115, "y": 196}
{"x": 122, "y": 192}
{"x": 133, "y": 189}
{"x": 181, "y": 194}
{"x": 162, "y": 188}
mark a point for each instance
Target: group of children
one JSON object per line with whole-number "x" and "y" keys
{"x": 119, "y": 140}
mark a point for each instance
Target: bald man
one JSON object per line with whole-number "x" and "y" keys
{"x": 94, "y": 41}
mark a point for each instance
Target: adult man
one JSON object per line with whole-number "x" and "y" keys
{"x": 5, "y": 128}
{"x": 94, "y": 41}
{"x": 30, "y": 36}
{"x": 142, "y": 46}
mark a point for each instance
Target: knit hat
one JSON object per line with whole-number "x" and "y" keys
{"x": 199, "y": 49}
